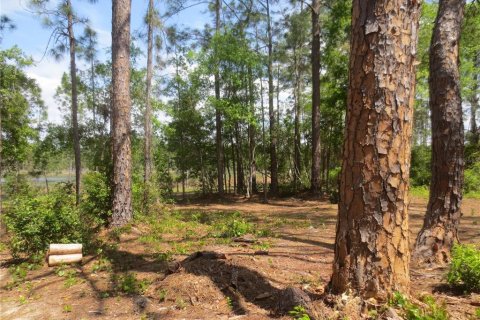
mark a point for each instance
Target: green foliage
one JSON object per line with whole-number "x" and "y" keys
{"x": 69, "y": 274}
{"x": 299, "y": 313}
{"x": 96, "y": 203}
{"x": 129, "y": 284}
{"x": 236, "y": 228}
{"x": 465, "y": 267}
{"x": 37, "y": 221}
{"x": 20, "y": 271}
{"x": 412, "y": 311}
{"x": 420, "y": 171}
{"x": 472, "y": 179}
{"x": 20, "y": 98}
{"x": 420, "y": 192}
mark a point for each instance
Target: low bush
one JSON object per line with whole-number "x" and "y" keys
{"x": 472, "y": 179}
{"x": 411, "y": 311}
{"x": 129, "y": 284}
{"x": 36, "y": 221}
{"x": 465, "y": 267}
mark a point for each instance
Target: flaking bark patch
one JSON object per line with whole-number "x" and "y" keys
{"x": 371, "y": 249}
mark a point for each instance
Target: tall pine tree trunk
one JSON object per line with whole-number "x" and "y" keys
{"x": 271, "y": 111}
{"x": 73, "y": 78}
{"x": 440, "y": 225}
{"x": 315, "y": 58}
{"x": 121, "y": 107}
{"x": 371, "y": 246}
{"x": 218, "y": 114}
{"x": 147, "y": 174}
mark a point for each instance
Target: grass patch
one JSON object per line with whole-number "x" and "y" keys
{"x": 420, "y": 192}
{"x": 423, "y": 192}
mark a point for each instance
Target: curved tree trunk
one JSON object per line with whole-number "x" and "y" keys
{"x": 147, "y": 174}
{"x": 121, "y": 107}
{"x": 315, "y": 57}
{"x": 73, "y": 77}
{"x": 371, "y": 246}
{"x": 439, "y": 230}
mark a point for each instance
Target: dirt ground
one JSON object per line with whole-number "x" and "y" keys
{"x": 247, "y": 283}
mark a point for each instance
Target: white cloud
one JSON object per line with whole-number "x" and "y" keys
{"x": 11, "y": 6}
{"x": 48, "y": 74}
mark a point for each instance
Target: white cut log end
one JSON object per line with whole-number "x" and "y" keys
{"x": 55, "y": 260}
{"x": 67, "y": 248}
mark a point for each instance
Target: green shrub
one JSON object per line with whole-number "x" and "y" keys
{"x": 465, "y": 267}
{"x": 96, "y": 203}
{"x": 299, "y": 313}
{"x": 236, "y": 228}
{"x": 36, "y": 221}
{"x": 472, "y": 179}
{"x": 411, "y": 311}
{"x": 129, "y": 284}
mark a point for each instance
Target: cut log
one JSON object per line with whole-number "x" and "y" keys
{"x": 68, "y": 248}
{"x": 55, "y": 260}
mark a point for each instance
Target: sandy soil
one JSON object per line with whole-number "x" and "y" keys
{"x": 246, "y": 284}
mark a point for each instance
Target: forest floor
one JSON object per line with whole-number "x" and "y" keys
{"x": 146, "y": 271}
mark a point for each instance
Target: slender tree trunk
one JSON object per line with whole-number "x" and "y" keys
{"x": 239, "y": 153}
{"x": 271, "y": 111}
{"x": 439, "y": 231}
{"x": 372, "y": 240}
{"x": 147, "y": 174}
{"x": 251, "y": 135}
{"x": 218, "y": 113}
{"x": 315, "y": 184}
{"x": 234, "y": 168}
{"x": 264, "y": 142}
{"x": 121, "y": 107}
{"x": 296, "y": 144}
{"x": 73, "y": 78}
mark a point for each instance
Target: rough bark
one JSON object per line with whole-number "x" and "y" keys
{"x": 73, "y": 78}
{"x": 271, "y": 111}
{"x": 371, "y": 246}
{"x": 147, "y": 174}
{"x": 315, "y": 58}
{"x": 121, "y": 107}
{"x": 439, "y": 231}
{"x": 218, "y": 113}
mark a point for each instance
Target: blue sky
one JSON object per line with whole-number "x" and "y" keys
{"x": 32, "y": 37}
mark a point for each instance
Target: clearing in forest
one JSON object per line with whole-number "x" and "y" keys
{"x": 140, "y": 271}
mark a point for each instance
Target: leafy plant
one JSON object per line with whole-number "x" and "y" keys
{"x": 37, "y": 221}
{"x": 96, "y": 201}
{"x": 465, "y": 267}
{"x": 412, "y": 311}
{"x": 236, "y": 227}
{"x": 129, "y": 284}
{"x": 299, "y": 313}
